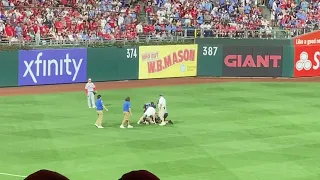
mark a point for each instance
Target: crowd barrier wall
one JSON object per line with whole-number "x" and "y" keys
{"x": 113, "y": 64}
{"x": 209, "y": 57}
{"x": 8, "y": 68}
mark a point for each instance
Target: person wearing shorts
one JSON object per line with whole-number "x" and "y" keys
{"x": 126, "y": 114}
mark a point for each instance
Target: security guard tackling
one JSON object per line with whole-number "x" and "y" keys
{"x": 149, "y": 116}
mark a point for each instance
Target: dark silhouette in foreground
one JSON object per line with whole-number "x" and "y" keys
{"x": 139, "y": 175}
{"x": 46, "y": 175}
{"x": 51, "y": 175}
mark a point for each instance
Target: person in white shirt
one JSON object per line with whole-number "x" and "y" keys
{"x": 168, "y": 6}
{"x": 149, "y": 115}
{"x": 162, "y": 105}
{"x": 1, "y": 25}
{"x": 120, "y": 20}
{"x": 139, "y": 28}
{"x": 90, "y": 92}
{"x": 161, "y": 15}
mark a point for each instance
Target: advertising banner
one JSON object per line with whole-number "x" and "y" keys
{"x": 306, "y": 61}
{"x": 252, "y": 61}
{"x": 52, "y": 66}
{"x": 307, "y": 55}
{"x": 167, "y": 61}
{"x": 308, "y": 39}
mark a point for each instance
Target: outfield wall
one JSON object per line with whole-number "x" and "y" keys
{"x": 245, "y": 58}
{"x": 209, "y": 57}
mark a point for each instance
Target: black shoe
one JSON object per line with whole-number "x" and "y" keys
{"x": 170, "y": 122}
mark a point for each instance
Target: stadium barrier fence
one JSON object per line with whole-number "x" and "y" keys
{"x": 210, "y": 57}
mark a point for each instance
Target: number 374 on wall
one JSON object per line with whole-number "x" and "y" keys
{"x": 132, "y": 53}
{"x": 209, "y": 50}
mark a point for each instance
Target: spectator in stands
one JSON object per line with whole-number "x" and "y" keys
{"x": 76, "y": 20}
{"x": 2, "y": 26}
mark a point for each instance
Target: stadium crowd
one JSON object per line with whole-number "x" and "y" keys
{"x": 114, "y": 19}
{"x": 295, "y": 14}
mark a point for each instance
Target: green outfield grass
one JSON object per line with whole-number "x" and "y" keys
{"x": 232, "y": 131}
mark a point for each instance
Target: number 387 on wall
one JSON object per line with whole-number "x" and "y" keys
{"x": 209, "y": 50}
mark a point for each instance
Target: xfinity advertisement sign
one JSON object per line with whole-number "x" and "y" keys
{"x": 54, "y": 66}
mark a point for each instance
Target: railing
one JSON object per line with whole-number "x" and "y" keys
{"x": 186, "y": 36}
{"x": 46, "y": 42}
{"x": 248, "y": 34}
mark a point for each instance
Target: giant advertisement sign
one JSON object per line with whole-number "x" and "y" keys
{"x": 307, "y": 55}
{"x": 52, "y": 66}
{"x": 252, "y": 61}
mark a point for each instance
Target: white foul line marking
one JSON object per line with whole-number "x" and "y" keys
{"x": 15, "y": 175}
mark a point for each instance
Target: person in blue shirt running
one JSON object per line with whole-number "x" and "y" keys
{"x": 126, "y": 113}
{"x": 100, "y": 106}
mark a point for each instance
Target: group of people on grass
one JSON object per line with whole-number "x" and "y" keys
{"x": 150, "y": 116}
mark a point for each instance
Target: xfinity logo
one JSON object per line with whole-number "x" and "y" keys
{"x": 52, "y": 67}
